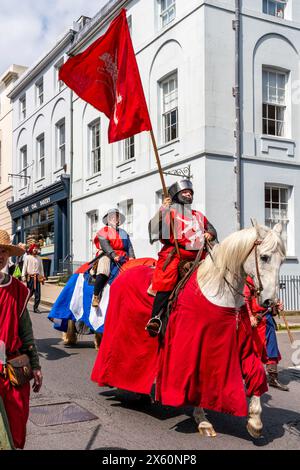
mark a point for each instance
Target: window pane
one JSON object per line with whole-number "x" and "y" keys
{"x": 279, "y": 113}
{"x": 275, "y": 195}
{"x": 62, "y": 134}
{"x": 62, "y": 156}
{"x": 272, "y": 79}
{"x": 272, "y": 95}
{"x": 265, "y": 6}
{"x": 272, "y": 8}
{"x": 50, "y": 212}
{"x": 283, "y": 195}
{"x": 271, "y": 112}
{"x": 43, "y": 215}
{"x": 42, "y": 168}
{"x": 272, "y": 127}
{"x": 280, "y": 129}
{"x": 281, "y": 80}
{"x": 35, "y": 218}
{"x": 265, "y": 110}
{"x": 27, "y": 221}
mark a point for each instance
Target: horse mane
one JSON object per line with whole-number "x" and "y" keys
{"x": 232, "y": 252}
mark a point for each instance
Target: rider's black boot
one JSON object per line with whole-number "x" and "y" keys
{"x": 273, "y": 378}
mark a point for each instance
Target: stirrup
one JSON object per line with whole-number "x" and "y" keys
{"x": 154, "y": 326}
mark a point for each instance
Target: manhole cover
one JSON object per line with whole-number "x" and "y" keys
{"x": 59, "y": 413}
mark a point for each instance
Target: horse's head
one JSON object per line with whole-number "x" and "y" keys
{"x": 264, "y": 261}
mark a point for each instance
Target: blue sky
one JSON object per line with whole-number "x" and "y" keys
{"x": 29, "y": 28}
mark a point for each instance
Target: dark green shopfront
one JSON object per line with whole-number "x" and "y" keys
{"x": 43, "y": 217}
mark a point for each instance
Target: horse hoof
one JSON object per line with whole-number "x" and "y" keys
{"x": 254, "y": 432}
{"x": 206, "y": 429}
{"x": 69, "y": 339}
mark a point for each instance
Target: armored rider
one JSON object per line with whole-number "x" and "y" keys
{"x": 191, "y": 229}
{"x": 114, "y": 247}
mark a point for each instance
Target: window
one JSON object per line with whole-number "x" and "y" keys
{"x": 58, "y": 84}
{"x": 274, "y": 102}
{"x": 276, "y": 208}
{"x": 41, "y": 155}
{"x": 60, "y": 143}
{"x": 167, "y": 11}
{"x": 23, "y": 161}
{"x": 170, "y": 108}
{"x": 22, "y": 102}
{"x": 274, "y": 7}
{"x": 126, "y": 207}
{"x": 95, "y": 146}
{"x": 129, "y": 148}
{"x": 93, "y": 228}
{"x": 39, "y": 87}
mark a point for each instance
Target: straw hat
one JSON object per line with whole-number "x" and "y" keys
{"x": 5, "y": 243}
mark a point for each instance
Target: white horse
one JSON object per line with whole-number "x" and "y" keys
{"x": 221, "y": 279}
{"x": 257, "y": 251}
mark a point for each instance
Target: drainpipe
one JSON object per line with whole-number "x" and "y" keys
{"x": 71, "y": 178}
{"x": 237, "y": 95}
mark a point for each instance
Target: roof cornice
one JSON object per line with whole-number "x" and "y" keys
{"x": 106, "y": 14}
{"x": 34, "y": 71}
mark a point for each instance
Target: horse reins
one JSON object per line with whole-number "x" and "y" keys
{"x": 257, "y": 290}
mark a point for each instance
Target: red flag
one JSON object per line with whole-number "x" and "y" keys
{"x": 106, "y": 75}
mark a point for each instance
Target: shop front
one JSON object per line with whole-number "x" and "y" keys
{"x": 42, "y": 218}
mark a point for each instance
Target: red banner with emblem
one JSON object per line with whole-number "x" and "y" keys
{"x": 106, "y": 75}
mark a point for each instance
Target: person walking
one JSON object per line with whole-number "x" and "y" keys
{"x": 33, "y": 274}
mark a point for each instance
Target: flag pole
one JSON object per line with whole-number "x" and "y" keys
{"x": 159, "y": 164}
{"x": 164, "y": 187}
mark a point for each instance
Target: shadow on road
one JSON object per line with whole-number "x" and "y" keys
{"x": 277, "y": 421}
{"x": 47, "y": 348}
{"x": 142, "y": 403}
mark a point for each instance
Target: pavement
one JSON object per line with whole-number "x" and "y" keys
{"x": 50, "y": 292}
{"x": 120, "y": 421}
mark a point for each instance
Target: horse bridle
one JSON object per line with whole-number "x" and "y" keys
{"x": 256, "y": 290}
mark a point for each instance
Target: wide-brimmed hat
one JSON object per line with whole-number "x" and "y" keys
{"x": 114, "y": 211}
{"x": 5, "y": 243}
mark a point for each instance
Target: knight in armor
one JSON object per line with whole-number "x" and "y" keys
{"x": 113, "y": 246}
{"x": 175, "y": 219}
{"x": 264, "y": 334}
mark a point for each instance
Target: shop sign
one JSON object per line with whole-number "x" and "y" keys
{"x": 36, "y": 205}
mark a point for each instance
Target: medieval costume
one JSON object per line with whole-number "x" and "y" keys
{"x": 33, "y": 274}
{"x": 189, "y": 227}
{"x": 264, "y": 335}
{"x": 114, "y": 247}
{"x": 17, "y": 335}
{"x": 206, "y": 357}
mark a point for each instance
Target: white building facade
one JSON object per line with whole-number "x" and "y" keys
{"x": 186, "y": 57}
{"x": 7, "y": 80}
{"x": 41, "y": 156}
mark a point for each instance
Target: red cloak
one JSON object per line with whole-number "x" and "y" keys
{"x": 204, "y": 358}
{"x": 128, "y": 357}
{"x": 13, "y": 300}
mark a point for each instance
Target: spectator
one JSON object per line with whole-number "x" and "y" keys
{"x": 17, "y": 336}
